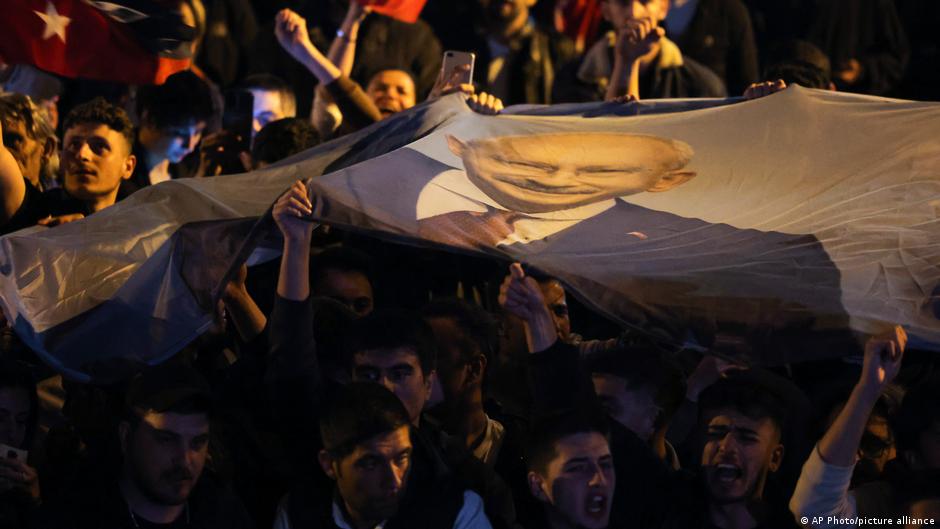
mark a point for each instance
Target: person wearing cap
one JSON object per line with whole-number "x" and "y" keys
{"x": 164, "y": 439}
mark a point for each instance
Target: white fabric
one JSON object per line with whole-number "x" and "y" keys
{"x": 823, "y": 492}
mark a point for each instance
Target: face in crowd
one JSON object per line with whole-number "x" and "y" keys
{"x": 172, "y": 143}
{"x": 399, "y": 370}
{"x": 392, "y": 91}
{"x": 554, "y": 294}
{"x": 552, "y": 172}
{"x": 620, "y": 12}
{"x": 31, "y": 154}
{"x": 14, "y": 416}
{"x": 739, "y": 453}
{"x": 371, "y": 480}
{"x": 268, "y": 106}
{"x": 458, "y": 372}
{"x": 579, "y": 482}
{"x": 95, "y": 158}
{"x": 165, "y": 454}
{"x": 501, "y": 14}
{"x": 349, "y": 287}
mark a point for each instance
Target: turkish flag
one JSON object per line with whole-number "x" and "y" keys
{"x": 404, "y": 10}
{"x": 73, "y": 38}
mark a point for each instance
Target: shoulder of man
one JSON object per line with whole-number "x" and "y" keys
{"x": 704, "y": 81}
{"x": 213, "y": 504}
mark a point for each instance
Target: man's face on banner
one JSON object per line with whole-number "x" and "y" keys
{"x": 552, "y": 172}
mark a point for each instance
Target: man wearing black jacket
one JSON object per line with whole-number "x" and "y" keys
{"x": 391, "y": 349}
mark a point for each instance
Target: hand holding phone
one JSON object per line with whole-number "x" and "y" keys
{"x": 456, "y": 74}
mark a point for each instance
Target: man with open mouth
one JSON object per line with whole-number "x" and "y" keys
{"x": 571, "y": 470}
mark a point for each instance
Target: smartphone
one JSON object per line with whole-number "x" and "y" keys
{"x": 454, "y": 59}
{"x": 238, "y": 117}
{"x": 8, "y": 452}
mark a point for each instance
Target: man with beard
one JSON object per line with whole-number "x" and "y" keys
{"x": 164, "y": 439}
{"x": 743, "y": 421}
{"x": 96, "y": 157}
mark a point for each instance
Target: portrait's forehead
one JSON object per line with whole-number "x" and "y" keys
{"x": 580, "y": 146}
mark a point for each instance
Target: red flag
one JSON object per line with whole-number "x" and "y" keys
{"x": 404, "y": 10}
{"x": 72, "y": 38}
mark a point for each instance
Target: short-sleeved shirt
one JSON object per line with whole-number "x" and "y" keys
{"x": 38, "y": 205}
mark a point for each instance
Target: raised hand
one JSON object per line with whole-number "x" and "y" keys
{"x": 638, "y": 38}
{"x": 449, "y": 82}
{"x": 521, "y": 296}
{"x": 291, "y": 32}
{"x": 16, "y": 474}
{"x": 765, "y": 88}
{"x": 291, "y": 213}
{"x": 486, "y": 104}
{"x": 883, "y": 356}
{"x": 51, "y": 222}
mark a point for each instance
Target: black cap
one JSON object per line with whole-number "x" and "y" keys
{"x": 161, "y": 388}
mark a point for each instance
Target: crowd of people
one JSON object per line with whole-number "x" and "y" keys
{"x": 359, "y": 384}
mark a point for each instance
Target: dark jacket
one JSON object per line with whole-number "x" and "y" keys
{"x": 209, "y": 506}
{"x": 433, "y": 498}
{"x": 721, "y": 37}
{"x": 534, "y": 60}
{"x": 559, "y": 380}
{"x": 673, "y": 75}
{"x": 869, "y": 31}
{"x": 297, "y": 388}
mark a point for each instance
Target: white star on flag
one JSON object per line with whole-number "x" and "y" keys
{"x": 55, "y": 23}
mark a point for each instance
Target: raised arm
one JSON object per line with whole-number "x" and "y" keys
{"x": 520, "y": 295}
{"x": 633, "y": 42}
{"x": 343, "y": 48}
{"x": 289, "y": 214}
{"x": 12, "y": 185}
{"x": 291, "y": 32}
{"x": 823, "y": 487}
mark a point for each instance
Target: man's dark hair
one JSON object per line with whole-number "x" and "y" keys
{"x": 171, "y": 387}
{"x": 548, "y": 430}
{"x": 392, "y": 329}
{"x": 358, "y": 412}
{"x": 100, "y": 111}
{"x": 799, "y": 62}
{"x": 918, "y": 413}
{"x": 182, "y": 100}
{"x": 271, "y": 83}
{"x": 342, "y": 258}
{"x": 479, "y": 330}
{"x": 753, "y": 393}
{"x": 283, "y": 138}
{"x": 644, "y": 366}
{"x": 331, "y": 319}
